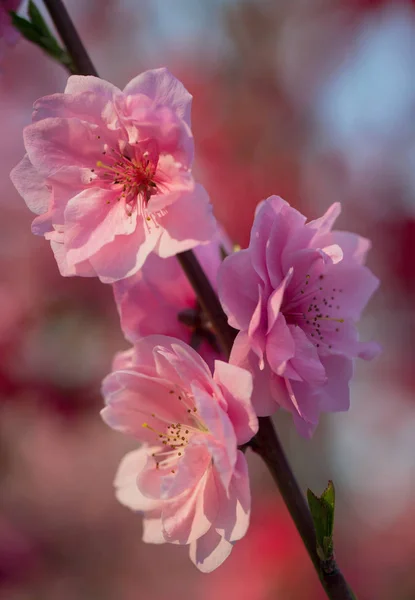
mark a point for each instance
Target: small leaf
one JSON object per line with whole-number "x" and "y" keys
{"x": 37, "y": 32}
{"x": 37, "y": 20}
{"x": 322, "y": 511}
{"x": 26, "y": 28}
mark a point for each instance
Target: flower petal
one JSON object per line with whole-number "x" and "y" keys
{"x": 125, "y": 481}
{"x": 280, "y": 345}
{"x": 236, "y": 385}
{"x": 164, "y": 89}
{"x": 232, "y": 520}
{"x": 210, "y": 551}
{"x": 31, "y": 186}
{"x": 187, "y": 518}
{"x": 236, "y": 272}
{"x": 187, "y": 223}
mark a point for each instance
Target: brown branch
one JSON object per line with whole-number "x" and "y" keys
{"x": 268, "y": 446}
{"x": 69, "y": 35}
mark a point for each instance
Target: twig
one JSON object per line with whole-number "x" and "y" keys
{"x": 70, "y": 37}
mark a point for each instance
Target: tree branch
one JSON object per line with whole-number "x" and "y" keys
{"x": 69, "y": 36}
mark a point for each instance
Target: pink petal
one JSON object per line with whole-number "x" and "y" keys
{"x": 78, "y": 84}
{"x": 334, "y": 252}
{"x": 308, "y": 264}
{"x": 275, "y": 300}
{"x": 286, "y": 235}
{"x": 150, "y": 300}
{"x": 260, "y": 234}
{"x": 280, "y": 345}
{"x": 164, "y": 89}
{"x": 221, "y": 442}
{"x": 83, "y": 269}
{"x": 232, "y": 520}
{"x": 152, "y": 478}
{"x": 123, "y": 361}
{"x": 187, "y": 518}
{"x": 187, "y": 223}
{"x": 304, "y": 428}
{"x": 125, "y": 255}
{"x": 56, "y": 143}
{"x": 31, "y": 186}
{"x": 357, "y": 284}
{"x": 306, "y": 361}
{"x": 125, "y": 481}
{"x": 257, "y": 328}
{"x": 182, "y": 364}
{"x": 139, "y": 399}
{"x": 153, "y": 528}
{"x": 335, "y": 396}
{"x": 237, "y": 273}
{"x": 190, "y": 469}
{"x": 369, "y": 350}
{"x": 304, "y": 403}
{"x": 266, "y": 394}
{"x": 86, "y": 106}
{"x": 210, "y": 551}
{"x": 324, "y": 224}
{"x": 236, "y": 385}
{"x": 92, "y": 219}
{"x": 354, "y": 246}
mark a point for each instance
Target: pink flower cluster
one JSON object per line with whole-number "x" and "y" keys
{"x": 295, "y": 294}
{"x": 108, "y": 173}
{"x": 188, "y": 478}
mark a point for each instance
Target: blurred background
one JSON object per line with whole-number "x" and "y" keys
{"x": 313, "y": 100}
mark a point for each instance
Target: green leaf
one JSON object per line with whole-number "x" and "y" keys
{"x": 37, "y": 20}
{"x": 26, "y": 28}
{"x": 322, "y": 511}
{"x": 37, "y": 32}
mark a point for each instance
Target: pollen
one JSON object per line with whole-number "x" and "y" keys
{"x": 314, "y": 314}
{"x": 133, "y": 174}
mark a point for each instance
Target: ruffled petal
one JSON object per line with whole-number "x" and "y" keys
{"x": 164, "y": 89}
{"x": 31, "y": 186}
{"x": 187, "y": 223}
{"x": 210, "y": 551}
{"x": 236, "y": 385}
{"x": 232, "y": 520}
{"x": 125, "y": 481}
{"x": 187, "y": 518}
{"x": 237, "y": 273}
{"x": 280, "y": 345}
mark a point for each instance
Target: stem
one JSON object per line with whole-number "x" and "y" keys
{"x": 208, "y": 300}
{"x": 268, "y": 446}
{"x": 266, "y": 442}
{"x": 70, "y": 37}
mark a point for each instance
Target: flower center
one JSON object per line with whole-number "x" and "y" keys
{"x": 316, "y": 308}
{"x": 176, "y": 436}
{"x": 132, "y": 173}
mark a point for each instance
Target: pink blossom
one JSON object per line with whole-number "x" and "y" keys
{"x": 8, "y": 32}
{"x": 188, "y": 478}
{"x": 295, "y": 294}
{"x": 108, "y": 172}
{"x": 159, "y": 299}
